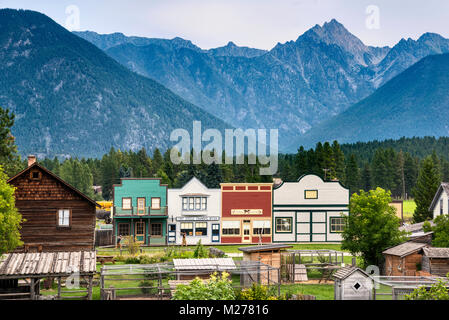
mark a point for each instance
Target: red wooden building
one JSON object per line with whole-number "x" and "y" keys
{"x": 57, "y": 216}
{"x": 246, "y": 213}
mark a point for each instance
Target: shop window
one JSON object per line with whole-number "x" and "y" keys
{"x": 155, "y": 203}
{"x": 123, "y": 229}
{"x": 311, "y": 194}
{"x": 126, "y": 203}
{"x": 337, "y": 225}
{"x": 194, "y": 203}
{"x": 156, "y": 229}
{"x": 201, "y": 229}
{"x": 261, "y": 227}
{"x": 231, "y": 228}
{"x": 187, "y": 228}
{"x": 284, "y": 225}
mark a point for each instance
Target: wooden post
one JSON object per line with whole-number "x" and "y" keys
{"x": 294, "y": 268}
{"x": 59, "y": 288}
{"x": 354, "y": 261}
{"x": 101, "y": 284}
{"x": 32, "y": 292}
{"x": 89, "y": 288}
{"x": 279, "y": 282}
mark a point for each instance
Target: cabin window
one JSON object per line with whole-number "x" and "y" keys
{"x": 311, "y": 194}
{"x": 261, "y": 227}
{"x": 187, "y": 228}
{"x": 123, "y": 229}
{"x": 337, "y": 225}
{"x": 441, "y": 206}
{"x": 156, "y": 229}
{"x": 201, "y": 229}
{"x": 231, "y": 228}
{"x": 35, "y": 175}
{"x": 64, "y": 218}
{"x": 284, "y": 225}
{"x": 126, "y": 203}
{"x": 155, "y": 203}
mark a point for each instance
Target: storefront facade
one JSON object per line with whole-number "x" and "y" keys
{"x": 194, "y": 210}
{"x": 310, "y": 210}
{"x": 246, "y": 214}
{"x": 140, "y": 210}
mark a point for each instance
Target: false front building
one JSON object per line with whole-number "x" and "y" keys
{"x": 140, "y": 210}
{"x": 309, "y": 210}
{"x": 194, "y": 210}
{"x": 246, "y": 213}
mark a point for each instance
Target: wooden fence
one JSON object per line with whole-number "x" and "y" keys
{"x": 103, "y": 238}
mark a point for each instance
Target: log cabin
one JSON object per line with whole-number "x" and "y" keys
{"x": 57, "y": 216}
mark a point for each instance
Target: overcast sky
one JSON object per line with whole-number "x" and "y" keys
{"x": 254, "y": 23}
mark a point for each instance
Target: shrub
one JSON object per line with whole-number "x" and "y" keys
{"x": 216, "y": 288}
{"x": 257, "y": 292}
{"x": 436, "y": 292}
{"x": 200, "y": 251}
{"x": 133, "y": 246}
{"x": 147, "y": 283}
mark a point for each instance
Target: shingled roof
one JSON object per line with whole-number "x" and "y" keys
{"x": 345, "y": 272}
{"x": 405, "y": 249}
{"x": 436, "y": 252}
{"x": 444, "y": 187}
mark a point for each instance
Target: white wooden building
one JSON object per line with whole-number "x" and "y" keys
{"x": 440, "y": 203}
{"x": 309, "y": 210}
{"x": 352, "y": 283}
{"x": 195, "y": 211}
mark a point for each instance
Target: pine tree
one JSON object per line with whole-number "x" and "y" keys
{"x": 366, "y": 178}
{"x": 427, "y": 185}
{"x": 339, "y": 159}
{"x": 352, "y": 175}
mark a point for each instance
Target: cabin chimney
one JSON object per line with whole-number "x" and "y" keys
{"x": 31, "y": 160}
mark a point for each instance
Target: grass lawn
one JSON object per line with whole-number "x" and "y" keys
{"x": 321, "y": 291}
{"x": 409, "y": 209}
{"x": 225, "y": 248}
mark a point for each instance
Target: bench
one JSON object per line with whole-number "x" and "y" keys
{"x": 104, "y": 259}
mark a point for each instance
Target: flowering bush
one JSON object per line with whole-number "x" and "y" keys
{"x": 216, "y": 288}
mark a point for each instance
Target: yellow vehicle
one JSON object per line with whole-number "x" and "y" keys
{"x": 105, "y": 205}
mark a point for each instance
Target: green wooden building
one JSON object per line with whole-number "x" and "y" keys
{"x": 140, "y": 210}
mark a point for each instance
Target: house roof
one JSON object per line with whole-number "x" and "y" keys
{"x": 405, "y": 249}
{"x": 37, "y": 165}
{"x": 345, "y": 272}
{"x": 204, "y": 264}
{"x": 444, "y": 187}
{"x": 269, "y": 247}
{"x": 436, "y": 252}
{"x": 414, "y": 228}
{"x": 43, "y": 264}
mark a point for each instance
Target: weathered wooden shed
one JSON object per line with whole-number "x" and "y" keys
{"x": 352, "y": 283}
{"x": 188, "y": 269}
{"x": 404, "y": 259}
{"x": 21, "y": 273}
{"x": 436, "y": 261}
{"x": 58, "y": 217}
{"x": 267, "y": 254}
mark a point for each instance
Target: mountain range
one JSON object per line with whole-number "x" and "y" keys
{"x": 413, "y": 104}
{"x": 70, "y": 98}
{"x": 82, "y": 93}
{"x": 293, "y": 87}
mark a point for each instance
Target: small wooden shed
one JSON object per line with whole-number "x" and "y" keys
{"x": 404, "y": 259}
{"x": 352, "y": 283}
{"x": 189, "y": 269}
{"x": 436, "y": 261}
{"x": 266, "y": 254}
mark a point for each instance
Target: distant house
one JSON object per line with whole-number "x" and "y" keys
{"x": 440, "y": 203}
{"x": 140, "y": 210}
{"x": 309, "y": 210}
{"x": 416, "y": 232}
{"x": 194, "y": 210}
{"x": 58, "y": 216}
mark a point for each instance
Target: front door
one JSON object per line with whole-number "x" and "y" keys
{"x": 172, "y": 233}
{"x": 140, "y": 231}
{"x": 141, "y": 206}
{"x": 246, "y": 232}
{"x": 216, "y": 233}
